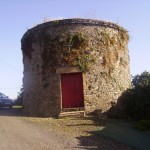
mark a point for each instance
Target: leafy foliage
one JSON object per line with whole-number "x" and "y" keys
{"x": 19, "y": 97}
{"x": 137, "y": 103}
{"x": 141, "y": 80}
{"x": 69, "y": 49}
{"x": 137, "y": 99}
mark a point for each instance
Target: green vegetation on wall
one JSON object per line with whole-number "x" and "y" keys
{"x": 69, "y": 49}
{"x": 77, "y": 49}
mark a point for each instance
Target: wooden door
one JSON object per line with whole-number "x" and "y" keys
{"x": 72, "y": 90}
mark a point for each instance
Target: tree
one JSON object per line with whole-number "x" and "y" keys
{"x": 141, "y": 80}
{"x": 20, "y": 97}
{"x": 138, "y": 98}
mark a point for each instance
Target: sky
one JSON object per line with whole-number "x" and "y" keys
{"x": 17, "y": 16}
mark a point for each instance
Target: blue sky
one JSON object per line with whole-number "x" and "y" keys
{"x": 17, "y": 16}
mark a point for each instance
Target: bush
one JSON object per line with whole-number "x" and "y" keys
{"x": 137, "y": 101}
{"x": 141, "y": 80}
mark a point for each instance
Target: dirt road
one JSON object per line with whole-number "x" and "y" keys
{"x": 16, "y": 133}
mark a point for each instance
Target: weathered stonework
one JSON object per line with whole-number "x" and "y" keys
{"x": 96, "y": 48}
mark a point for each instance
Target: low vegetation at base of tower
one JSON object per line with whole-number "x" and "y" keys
{"x": 74, "y": 49}
{"x": 138, "y": 98}
{"x": 135, "y": 102}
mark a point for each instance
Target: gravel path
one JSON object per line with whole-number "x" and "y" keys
{"x": 17, "y": 134}
{"x": 22, "y": 133}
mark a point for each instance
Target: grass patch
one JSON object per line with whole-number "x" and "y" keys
{"x": 143, "y": 125}
{"x": 17, "y": 106}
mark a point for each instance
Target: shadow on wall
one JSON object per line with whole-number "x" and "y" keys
{"x": 117, "y": 109}
{"x": 133, "y": 104}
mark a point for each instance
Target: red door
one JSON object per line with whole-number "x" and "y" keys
{"x": 72, "y": 90}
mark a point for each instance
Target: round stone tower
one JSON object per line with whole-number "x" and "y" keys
{"x": 74, "y": 64}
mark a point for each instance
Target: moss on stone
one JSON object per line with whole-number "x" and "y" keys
{"x": 97, "y": 48}
{"x": 69, "y": 49}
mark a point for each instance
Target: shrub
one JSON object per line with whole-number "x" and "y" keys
{"x": 141, "y": 80}
{"x": 137, "y": 101}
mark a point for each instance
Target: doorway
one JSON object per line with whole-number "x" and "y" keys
{"x": 72, "y": 90}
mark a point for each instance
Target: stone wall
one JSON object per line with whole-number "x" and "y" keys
{"x": 96, "y": 48}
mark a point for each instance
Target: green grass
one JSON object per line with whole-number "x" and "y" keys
{"x": 142, "y": 125}
{"x": 17, "y": 106}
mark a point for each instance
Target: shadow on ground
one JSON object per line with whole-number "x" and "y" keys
{"x": 127, "y": 106}
{"x": 11, "y": 112}
{"x": 92, "y": 140}
{"x": 116, "y": 135}
{"x": 123, "y": 132}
